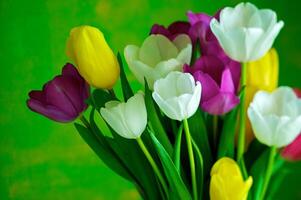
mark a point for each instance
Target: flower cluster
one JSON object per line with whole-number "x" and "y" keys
{"x": 202, "y": 79}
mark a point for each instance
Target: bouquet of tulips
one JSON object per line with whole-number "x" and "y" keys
{"x": 209, "y": 120}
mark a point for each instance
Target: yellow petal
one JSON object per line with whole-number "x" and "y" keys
{"x": 95, "y": 60}
{"x": 227, "y": 181}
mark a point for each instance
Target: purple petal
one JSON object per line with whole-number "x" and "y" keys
{"x": 179, "y": 27}
{"x": 198, "y": 17}
{"x": 227, "y": 84}
{"x": 235, "y": 68}
{"x": 210, "y": 65}
{"x": 220, "y": 104}
{"x": 63, "y": 93}
{"x": 158, "y": 29}
{"x": 209, "y": 86}
{"x": 49, "y": 111}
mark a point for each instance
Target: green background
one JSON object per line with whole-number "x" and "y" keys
{"x": 40, "y": 159}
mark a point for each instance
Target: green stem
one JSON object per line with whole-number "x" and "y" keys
{"x": 215, "y": 130}
{"x": 177, "y": 151}
{"x": 112, "y": 93}
{"x": 191, "y": 159}
{"x": 153, "y": 164}
{"x": 85, "y": 121}
{"x": 269, "y": 171}
{"x": 242, "y": 114}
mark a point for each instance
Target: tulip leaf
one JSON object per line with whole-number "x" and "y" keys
{"x": 103, "y": 151}
{"x": 199, "y": 134}
{"x": 155, "y": 121}
{"x": 126, "y": 88}
{"x": 99, "y": 98}
{"x": 257, "y": 172}
{"x": 131, "y": 155}
{"x": 177, "y": 186}
{"x": 227, "y": 137}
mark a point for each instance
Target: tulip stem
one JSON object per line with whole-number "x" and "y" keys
{"x": 269, "y": 170}
{"x": 153, "y": 164}
{"x": 242, "y": 114}
{"x": 191, "y": 159}
{"x": 85, "y": 121}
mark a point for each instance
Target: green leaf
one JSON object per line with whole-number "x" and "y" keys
{"x": 227, "y": 137}
{"x": 178, "y": 188}
{"x": 258, "y": 173}
{"x": 126, "y": 88}
{"x": 177, "y": 150}
{"x": 103, "y": 151}
{"x": 99, "y": 98}
{"x": 155, "y": 122}
{"x": 131, "y": 155}
{"x": 199, "y": 134}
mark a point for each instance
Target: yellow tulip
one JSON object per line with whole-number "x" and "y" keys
{"x": 227, "y": 182}
{"x": 93, "y": 57}
{"x": 261, "y": 75}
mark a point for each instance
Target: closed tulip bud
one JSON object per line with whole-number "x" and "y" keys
{"x": 177, "y": 95}
{"x": 245, "y": 32}
{"x": 93, "y": 57}
{"x": 227, "y": 181}
{"x": 128, "y": 119}
{"x": 276, "y": 117}
{"x": 261, "y": 75}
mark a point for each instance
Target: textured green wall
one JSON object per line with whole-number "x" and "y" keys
{"x": 40, "y": 159}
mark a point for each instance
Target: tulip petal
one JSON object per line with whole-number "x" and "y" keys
{"x": 135, "y": 114}
{"x": 220, "y": 104}
{"x": 209, "y": 86}
{"x": 227, "y": 84}
{"x": 114, "y": 117}
{"x": 293, "y": 150}
{"x": 165, "y": 50}
{"x": 168, "y": 110}
{"x": 49, "y": 111}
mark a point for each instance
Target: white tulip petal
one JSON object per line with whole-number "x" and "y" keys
{"x": 246, "y": 33}
{"x": 135, "y": 114}
{"x": 113, "y": 117}
{"x": 126, "y": 119}
{"x": 166, "y": 108}
{"x": 260, "y": 127}
{"x": 194, "y": 103}
{"x": 157, "y": 57}
{"x": 288, "y": 130}
{"x": 156, "y": 48}
{"x": 276, "y": 117}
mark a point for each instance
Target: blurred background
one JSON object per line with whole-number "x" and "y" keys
{"x": 40, "y": 159}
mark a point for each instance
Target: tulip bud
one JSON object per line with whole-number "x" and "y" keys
{"x": 177, "y": 95}
{"x": 128, "y": 119}
{"x": 227, "y": 181}
{"x": 276, "y": 117}
{"x": 261, "y": 75}
{"x": 93, "y": 57}
{"x": 63, "y": 98}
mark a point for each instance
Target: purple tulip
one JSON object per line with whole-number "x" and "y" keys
{"x": 173, "y": 29}
{"x": 200, "y": 31}
{"x": 63, "y": 98}
{"x": 220, "y": 81}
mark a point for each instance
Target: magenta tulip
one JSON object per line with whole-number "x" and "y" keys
{"x": 63, "y": 98}
{"x": 220, "y": 81}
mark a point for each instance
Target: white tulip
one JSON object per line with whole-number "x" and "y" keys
{"x": 245, "y": 32}
{"x": 177, "y": 95}
{"x": 127, "y": 119}
{"x": 276, "y": 117}
{"x": 158, "y": 56}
